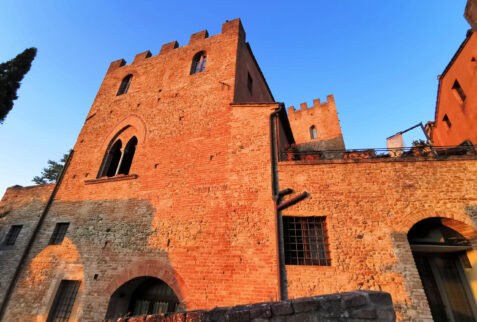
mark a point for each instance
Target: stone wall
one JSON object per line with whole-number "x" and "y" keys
{"x": 351, "y": 306}
{"x": 19, "y": 206}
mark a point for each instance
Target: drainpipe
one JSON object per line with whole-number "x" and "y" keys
{"x": 279, "y": 206}
{"x": 16, "y": 275}
{"x": 277, "y": 197}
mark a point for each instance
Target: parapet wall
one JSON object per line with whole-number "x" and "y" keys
{"x": 323, "y": 116}
{"x": 357, "y": 305}
{"x": 18, "y": 196}
{"x": 228, "y": 27}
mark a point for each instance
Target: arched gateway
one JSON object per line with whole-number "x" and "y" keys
{"x": 441, "y": 257}
{"x": 140, "y": 296}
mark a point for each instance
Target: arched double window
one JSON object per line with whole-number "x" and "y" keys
{"x": 313, "y": 132}
{"x": 117, "y": 160}
{"x": 124, "y": 87}
{"x": 198, "y": 63}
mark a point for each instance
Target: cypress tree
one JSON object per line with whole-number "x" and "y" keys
{"x": 11, "y": 73}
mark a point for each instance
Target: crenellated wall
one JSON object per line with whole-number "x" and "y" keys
{"x": 197, "y": 200}
{"x": 324, "y": 117}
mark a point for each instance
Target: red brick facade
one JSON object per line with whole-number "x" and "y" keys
{"x": 456, "y": 110}
{"x": 323, "y": 117}
{"x": 196, "y": 209}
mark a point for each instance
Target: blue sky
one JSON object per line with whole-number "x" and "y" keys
{"x": 379, "y": 58}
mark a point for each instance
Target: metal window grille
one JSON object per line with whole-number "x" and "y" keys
{"x": 13, "y": 234}
{"x": 306, "y": 241}
{"x": 59, "y": 233}
{"x": 64, "y": 301}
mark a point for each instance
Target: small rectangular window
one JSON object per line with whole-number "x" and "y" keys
{"x": 459, "y": 91}
{"x": 59, "y": 233}
{"x": 64, "y": 301}
{"x": 306, "y": 241}
{"x": 12, "y": 234}
{"x": 250, "y": 84}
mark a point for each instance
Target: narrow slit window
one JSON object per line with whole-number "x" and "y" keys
{"x": 313, "y": 132}
{"x": 59, "y": 233}
{"x": 125, "y": 83}
{"x": 459, "y": 91}
{"x": 12, "y": 234}
{"x": 306, "y": 241}
{"x": 64, "y": 301}
{"x": 198, "y": 63}
{"x": 250, "y": 84}
{"x": 448, "y": 122}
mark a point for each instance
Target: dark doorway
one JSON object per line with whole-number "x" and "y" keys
{"x": 141, "y": 296}
{"x": 439, "y": 253}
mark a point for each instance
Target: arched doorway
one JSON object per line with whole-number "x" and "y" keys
{"x": 140, "y": 296}
{"x": 440, "y": 254}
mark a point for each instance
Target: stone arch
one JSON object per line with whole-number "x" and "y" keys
{"x": 153, "y": 268}
{"x": 132, "y": 120}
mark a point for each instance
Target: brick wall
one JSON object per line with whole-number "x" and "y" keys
{"x": 19, "y": 206}
{"x": 369, "y": 208}
{"x": 324, "y": 117}
{"x": 196, "y": 210}
{"x": 462, "y": 115}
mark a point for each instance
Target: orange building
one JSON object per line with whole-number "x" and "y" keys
{"x": 177, "y": 197}
{"x": 456, "y": 109}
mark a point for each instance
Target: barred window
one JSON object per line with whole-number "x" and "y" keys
{"x": 59, "y": 233}
{"x": 64, "y": 301}
{"x": 306, "y": 241}
{"x": 12, "y": 234}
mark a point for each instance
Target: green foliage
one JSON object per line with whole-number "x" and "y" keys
{"x": 11, "y": 73}
{"x": 51, "y": 173}
{"x": 419, "y": 143}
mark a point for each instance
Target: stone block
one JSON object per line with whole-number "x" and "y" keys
{"x": 281, "y": 308}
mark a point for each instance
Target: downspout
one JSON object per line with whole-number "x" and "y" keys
{"x": 16, "y": 275}
{"x": 277, "y": 199}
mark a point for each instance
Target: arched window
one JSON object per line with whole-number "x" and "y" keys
{"x": 128, "y": 155}
{"x": 123, "y": 88}
{"x": 111, "y": 160}
{"x": 198, "y": 63}
{"x": 117, "y": 161}
{"x": 313, "y": 132}
{"x": 140, "y": 296}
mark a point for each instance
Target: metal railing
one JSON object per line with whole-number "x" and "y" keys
{"x": 405, "y": 153}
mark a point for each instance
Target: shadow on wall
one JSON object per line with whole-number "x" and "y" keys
{"x": 107, "y": 236}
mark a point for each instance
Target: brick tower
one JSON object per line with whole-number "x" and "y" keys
{"x": 317, "y": 127}
{"x": 164, "y": 183}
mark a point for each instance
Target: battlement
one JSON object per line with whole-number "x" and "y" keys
{"x": 228, "y": 27}
{"x": 316, "y": 104}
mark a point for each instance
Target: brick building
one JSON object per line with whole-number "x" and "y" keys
{"x": 178, "y": 195}
{"x": 456, "y": 108}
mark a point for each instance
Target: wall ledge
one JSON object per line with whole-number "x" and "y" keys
{"x": 111, "y": 179}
